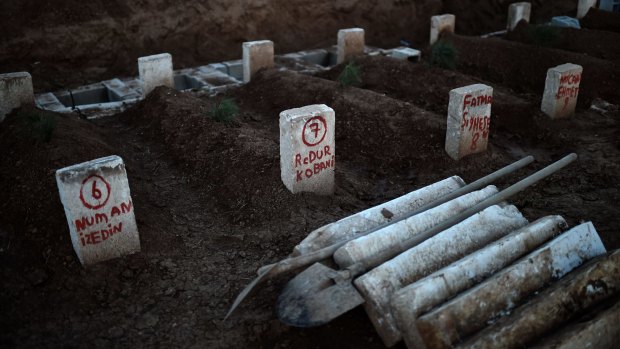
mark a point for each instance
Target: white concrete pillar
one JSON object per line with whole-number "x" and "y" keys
{"x": 307, "y": 149}
{"x": 99, "y": 210}
{"x": 516, "y": 12}
{"x": 155, "y": 70}
{"x": 439, "y": 24}
{"x": 423, "y": 295}
{"x": 256, "y": 55}
{"x": 470, "y": 311}
{"x": 375, "y": 216}
{"x": 583, "y": 6}
{"x": 350, "y": 43}
{"x": 378, "y": 285}
{"x": 469, "y": 119}
{"x": 15, "y": 91}
{"x": 561, "y": 90}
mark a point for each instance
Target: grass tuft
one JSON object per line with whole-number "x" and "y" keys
{"x": 444, "y": 55}
{"x": 544, "y": 35}
{"x": 224, "y": 111}
{"x": 351, "y": 75}
{"x": 39, "y": 126}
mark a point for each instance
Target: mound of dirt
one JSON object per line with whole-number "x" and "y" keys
{"x": 601, "y": 20}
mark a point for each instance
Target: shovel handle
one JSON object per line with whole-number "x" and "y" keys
{"x": 326, "y": 252}
{"x": 380, "y": 258}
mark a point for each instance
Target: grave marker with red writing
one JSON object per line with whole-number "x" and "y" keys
{"x": 469, "y": 118}
{"x": 99, "y": 210}
{"x": 307, "y": 149}
{"x": 561, "y": 90}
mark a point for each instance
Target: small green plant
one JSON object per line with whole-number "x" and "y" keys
{"x": 351, "y": 75}
{"x": 544, "y": 35}
{"x": 40, "y": 126}
{"x": 224, "y": 111}
{"x": 444, "y": 54}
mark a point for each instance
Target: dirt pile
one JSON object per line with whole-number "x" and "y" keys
{"x": 601, "y": 20}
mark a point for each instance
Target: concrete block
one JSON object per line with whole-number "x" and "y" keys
{"x": 48, "y": 101}
{"x": 375, "y": 216}
{"x": 583, "y": 6}
{"x": 118, "y": 91}
{"x": 423, "y": 295}
{"x": 350, "y": 43}
{"x": 469, "y": 119}
{"x": 441, "y": 23}
{"x": 561, "y": 90}
{"x": 406, "y": 53}
{"x": 15, "y": 91}
{"x": 256, "y": 55}
{"x": 99, "y": 209}
{"x": 565, "y": 22}
{"x": 516, "y": 12}
{"x": 234, "y": 69}
{"x": 155, "y": 71}
{"x": 378, "y": 285}
{"x": 497, "y": 296}
{"x": 307, "y": 149}
{"x": 219, "y": 66}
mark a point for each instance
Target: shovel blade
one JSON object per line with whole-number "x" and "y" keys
{"x": 315, "y": 297}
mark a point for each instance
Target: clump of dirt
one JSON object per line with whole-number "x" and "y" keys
{"x": 601, "y": 20}
{"x": 594, "y": 43}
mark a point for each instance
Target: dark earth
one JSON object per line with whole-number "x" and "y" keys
{"x": 211, "y": 207}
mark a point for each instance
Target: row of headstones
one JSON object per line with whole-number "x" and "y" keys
{"x": 98, "y": 203}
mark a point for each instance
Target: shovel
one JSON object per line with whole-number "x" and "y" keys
{"x": 320, "y": 294}
{"x": 289, "y": 264}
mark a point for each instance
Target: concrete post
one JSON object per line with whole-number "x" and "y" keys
{"x": 469, "y": 119}
{"x": 15, "y": 91}
{"x": 350, "y": 43}
{"x": 375, "y": 216}
{"x": 439, "y": 24}
{"x": 155, "y": 70}
{"x": 517, "y": 12}
{"x": 256, "y": 55}
{"x": 498, "y": 295}
{"x": 561, "y": 90}
{"x": 99, "y": 210}
{"x": 393, "y": 235}
{"x": 307, "y": 149}
{"x": 553, "y": 307}
{"x": 378, "y": 285}
{"x": 583, "y": 6}
{"x": 411, "y": 301}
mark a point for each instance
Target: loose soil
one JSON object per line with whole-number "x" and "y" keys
{"x": 601, "y": 20}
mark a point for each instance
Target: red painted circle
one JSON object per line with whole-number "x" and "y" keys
{"x": 311, "y": 122}
{"x": 89, "y": 199}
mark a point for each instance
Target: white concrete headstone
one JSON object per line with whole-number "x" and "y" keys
{"x": 469, "y": 119}
{"x": 256, "y": 55}
{"x": 561, "y": 90}
{"x": 155, "y": 70}
{"x": 517, "y": 12}
{"x": 307, "y": 149}
{"x": 99, "y": 210}
{"x": 583, "y": 6}
{"x": 350, "y": 43}
{"x": 15, "y": 91}
{"x": 441, "y": 23}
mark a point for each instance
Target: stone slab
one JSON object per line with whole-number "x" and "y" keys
{"x": 565, "y": 22}
{"x": 469, "y": 119}
{"x": 351, "y": 43}
{"x": 517, "y": 12}
{"x": 441, "y": 23}
{"x": 99, "y": 209}
{"x": 15, "y": 91}
{"x": 257, "y": 55}
{"x": 155, "y": 70}
{"x": 583, "y": 6}
{"x": 406, "y": 53}
{"x": 561, "y": 90}
{"x": 307, "y": 149}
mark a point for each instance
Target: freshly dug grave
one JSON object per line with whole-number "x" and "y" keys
{"x": 519, "y": 127}
{"x": 601, "y": 20}
{"x": 524, "y": 67}
{"x": 594, "y": 43}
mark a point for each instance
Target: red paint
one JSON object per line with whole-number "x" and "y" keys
{"x": 478, "y": 101}
{"x": 98, "y": 218}
{"x": 316, "y": 169}
{"x": 99, "y": 236}
{"x": 316, "y": 125}
{"x": 91, "y": 197}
